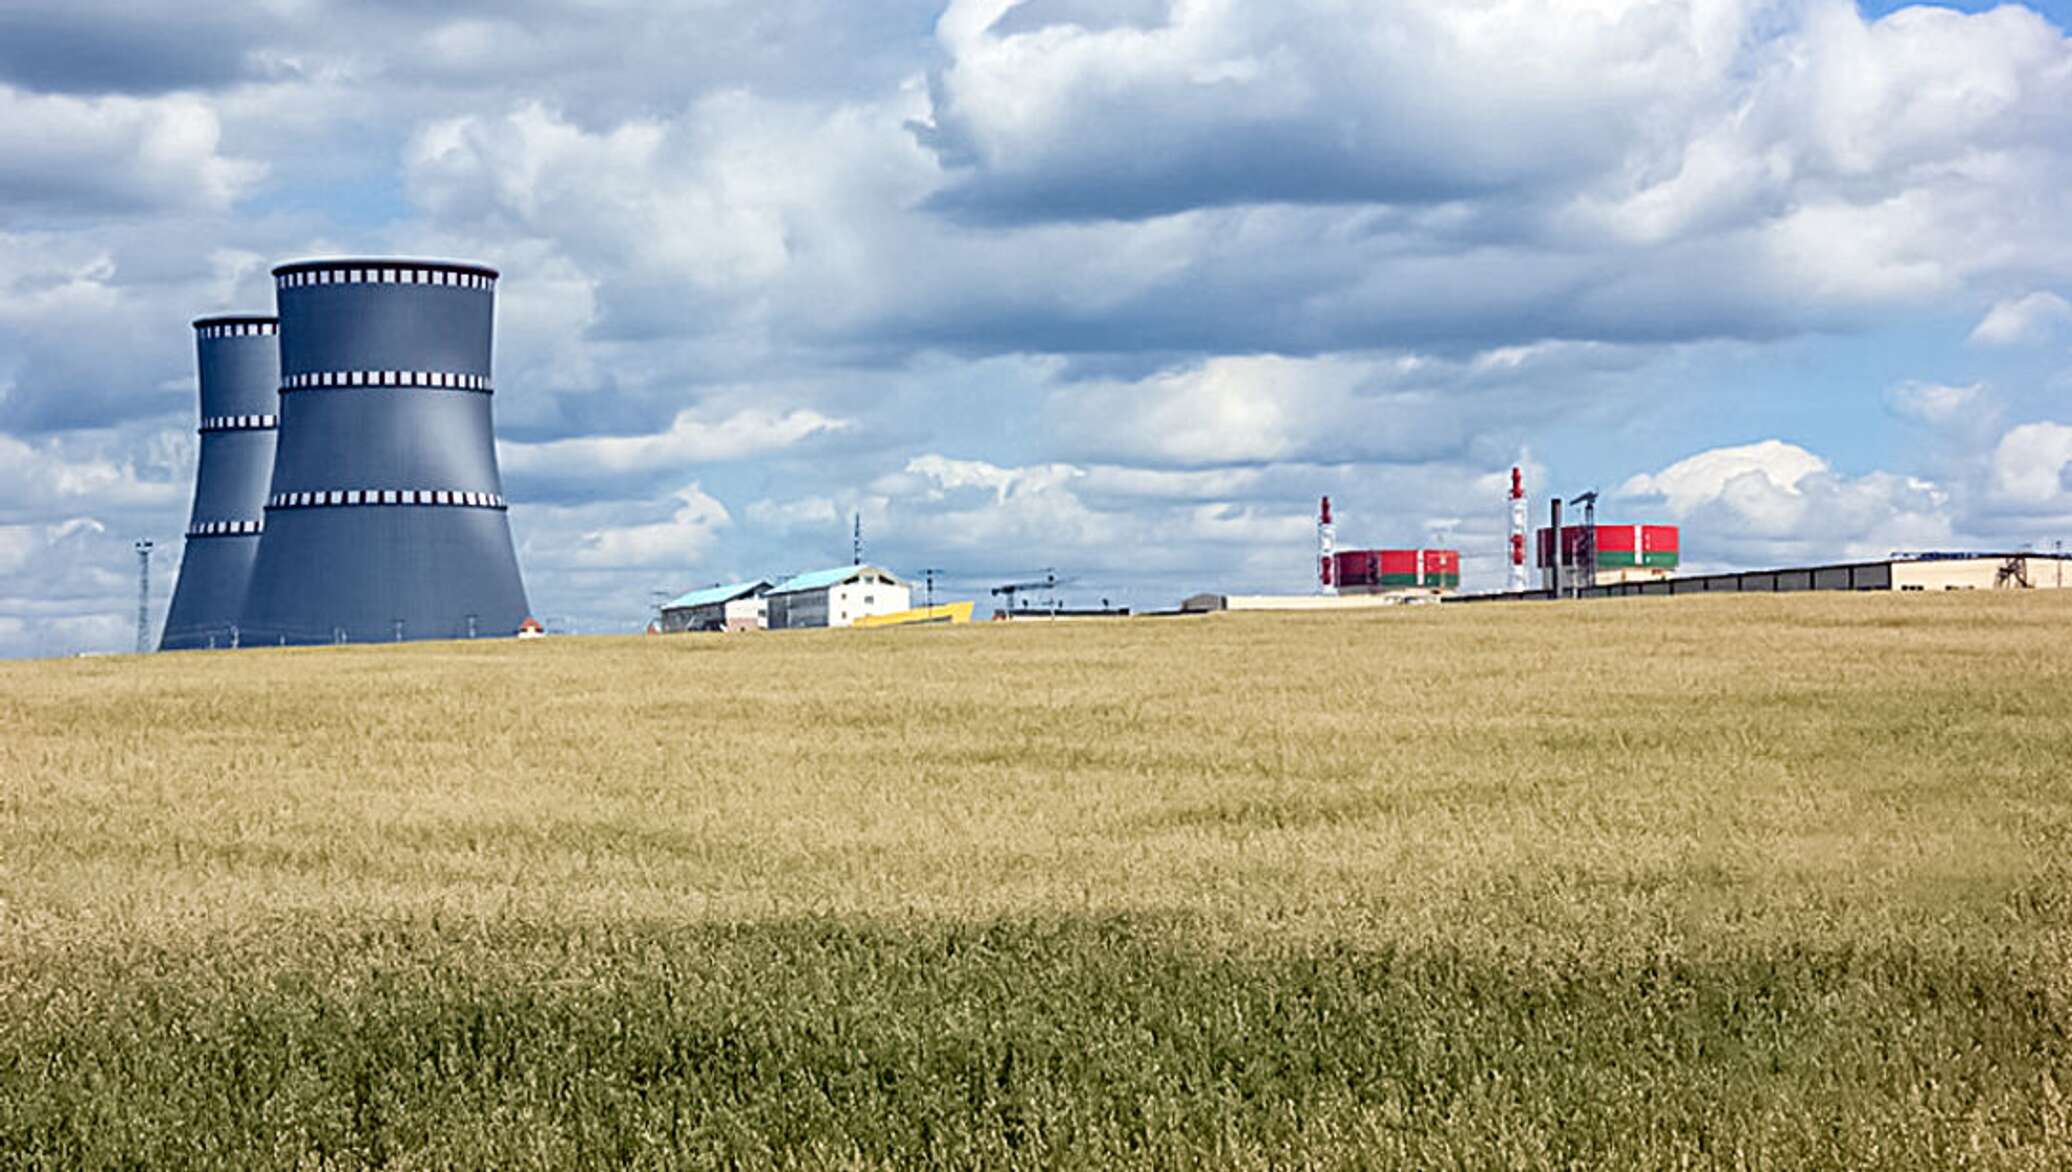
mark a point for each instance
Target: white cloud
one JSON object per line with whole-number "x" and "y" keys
{"x": 39, "y": 480}
{"x": 1774, "y": 503}
{"x": 70, "y": 507}
{"x": 689, "y": 441}
{"x": 600, "y": 538}
{"x": 1266, "y": 408}
{"x": 1794, "y": 152}
{"x": 1937, "y": 404}
{"x": 70, "y": 585}
{"x": 813, "y": 512}
{"x": 1231, "y": 102}
{"x": 1162, "y": 484}
{"x": 938, "y": 476}
{"x": 1812, "y": 165}
{"x": 974, "y": 505}
{"x": 1758, "y": 475}
{"x": 1228, "y": 410}
{"x": 649, "y": 195}
{"x": 2026, "y": 319}
{"x": 65, "y": 294}
{"x": 2031, "y": 467}
{"x": 70, "y": 157}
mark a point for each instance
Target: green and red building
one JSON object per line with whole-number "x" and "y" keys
{"x": 1378, "y": 571}
{"x": 1623, "y": 553}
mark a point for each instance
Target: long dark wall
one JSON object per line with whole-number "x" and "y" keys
{"x": 385, "y": 518}
{"x": 239, "y": 367}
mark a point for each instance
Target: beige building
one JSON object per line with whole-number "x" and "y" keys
{"x": 2020, "y": 570}
{"x": 746, "y": 614}
{"x": 1205, "y": 603}
{"x": 2024, "y": 571}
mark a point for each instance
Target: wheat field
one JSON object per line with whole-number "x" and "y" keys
{"x": 1739, "y": 882}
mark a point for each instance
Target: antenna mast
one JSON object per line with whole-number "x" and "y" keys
{"x": 856, "y": 542}
{"x": 1518, "y": 522}
{"x": 1327, "y": 548}
{"x": 143, "y": 596}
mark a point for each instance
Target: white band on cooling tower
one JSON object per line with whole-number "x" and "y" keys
{"x": 329, "y": 380}
{"x": 239, "y": 422}
{"x": 348, "y": 497}
{"x": 385, "y": 275}
{"x": 239, "y": 329}
{"x": 226, "y": 529}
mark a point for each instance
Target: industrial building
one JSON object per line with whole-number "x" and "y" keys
{"x": 1207, "y": 603}
{"x": 1905, "y": 572}
{"x": 238, "y": 370}
{"x": 1059, "y": 614}
{"x": 1375, "y": 571}
{"x": 385, "y": 518}
{"x": 1609, "y": 555}
{"x": 736, "y": 607}
{"x": 836, "y": 598}
{"x": 1379, "y": 571}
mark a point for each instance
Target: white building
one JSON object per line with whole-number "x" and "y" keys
{"x": 836, "y": 598}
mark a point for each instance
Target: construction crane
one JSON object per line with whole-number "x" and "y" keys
{"x": 1048, "y": 583}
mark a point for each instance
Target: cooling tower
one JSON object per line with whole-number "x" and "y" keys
{"x": 385, "y": 519}
{"x": 239, "y": 365}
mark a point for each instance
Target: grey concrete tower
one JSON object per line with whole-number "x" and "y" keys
{"x": 238, "y": 362}
{"x": 385, "y": 519}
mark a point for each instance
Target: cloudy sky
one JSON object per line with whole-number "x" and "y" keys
{"x": 1112, "y": 286}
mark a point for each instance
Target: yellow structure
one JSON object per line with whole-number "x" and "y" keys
{"x": 948, "y": 612}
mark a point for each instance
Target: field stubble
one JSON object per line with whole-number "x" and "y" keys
{"x": 1745, "y": 882}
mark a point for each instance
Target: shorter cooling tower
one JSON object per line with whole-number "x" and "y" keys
{"x": 385, "y": 519}
{"x": 239, "y": 366}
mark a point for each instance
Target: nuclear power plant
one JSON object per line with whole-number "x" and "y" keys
{"x": 347, "y": 491}
{"x": 380, "y": 515}
{"x": 238, "y": 366}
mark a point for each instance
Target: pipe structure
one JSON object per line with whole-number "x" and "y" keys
{"x": 1327, "y": 549}
{"x": 238, "y": 366}
{"x": 1519, "y": 521}
{"x": 385, "y": 520}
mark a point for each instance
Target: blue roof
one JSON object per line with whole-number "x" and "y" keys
{"x": 822, "y": 579}
{"x": 712, "y": 595}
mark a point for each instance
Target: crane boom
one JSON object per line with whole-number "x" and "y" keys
{"x": 1008, "y": 590}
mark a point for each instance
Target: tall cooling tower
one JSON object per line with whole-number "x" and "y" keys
{"x": 239, "y": 364}
{"x": 385, "y": 519}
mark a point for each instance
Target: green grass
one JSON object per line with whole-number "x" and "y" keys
{"x": 1738, "y": 882}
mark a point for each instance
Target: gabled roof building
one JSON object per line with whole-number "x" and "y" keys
{"x": 836, "y": 598}
{"x": 716, "y": 608}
